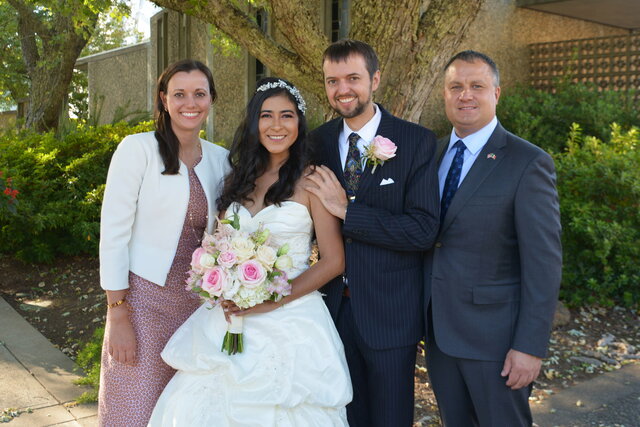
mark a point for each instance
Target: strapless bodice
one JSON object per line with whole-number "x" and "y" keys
{"x": 288, "y": 223}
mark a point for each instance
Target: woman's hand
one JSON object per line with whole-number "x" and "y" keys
{"x": 121, "y": 336}
{"x": 265, "y": 307}
{"x": 229, "y": 307}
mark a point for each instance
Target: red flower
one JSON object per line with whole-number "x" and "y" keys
{"x": 14, "y": 193}
{"x": 7, "y": 191}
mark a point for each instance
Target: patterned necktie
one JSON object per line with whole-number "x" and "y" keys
{"x": 353, "y": 166}
{"x": 453, "y": 178}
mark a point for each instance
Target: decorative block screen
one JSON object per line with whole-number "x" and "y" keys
{"x": 609, "y": 62}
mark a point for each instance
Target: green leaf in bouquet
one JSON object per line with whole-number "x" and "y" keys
{"x": 234, "y": 221}
{"x": 283, "y": 250}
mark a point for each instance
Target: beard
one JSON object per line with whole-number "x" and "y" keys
{"x": 359, "y": 108}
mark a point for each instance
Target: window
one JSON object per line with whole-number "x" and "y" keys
{"x": 184, "y": 36}
{"x": 336, "y": 19}
{"x": 162, "y": 45}
{"x": 257, "y": 70}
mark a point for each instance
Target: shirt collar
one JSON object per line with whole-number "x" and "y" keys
{"x": 477, "y": 140}
{"x": 368, "y": 131}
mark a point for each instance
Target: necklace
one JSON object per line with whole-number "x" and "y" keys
{"x": 185, "y": 157}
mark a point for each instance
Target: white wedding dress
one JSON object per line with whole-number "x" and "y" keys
{"x": 292, "y": 371}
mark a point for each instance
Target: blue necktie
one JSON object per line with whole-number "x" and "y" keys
{"x": 353, "y": 166}
{"x": 453, "y": 178}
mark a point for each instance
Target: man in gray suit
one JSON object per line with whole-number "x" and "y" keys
{"x": 492, "y": 278}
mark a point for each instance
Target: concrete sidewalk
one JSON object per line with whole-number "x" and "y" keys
{"x": 35, "y": 375}
{"x": 610, "y": 399}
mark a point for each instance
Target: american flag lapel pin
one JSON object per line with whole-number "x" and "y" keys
{"x": 491, "y": 156}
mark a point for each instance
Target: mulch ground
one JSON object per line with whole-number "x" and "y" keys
{"x": 65, "y": 303}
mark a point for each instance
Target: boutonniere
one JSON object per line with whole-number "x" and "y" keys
{"x": 491, "y": 156}
{"x": 379, "y": 151}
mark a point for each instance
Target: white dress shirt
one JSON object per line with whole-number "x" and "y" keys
{"x": 366, "y": 134}
{"x": 474, "y": 143}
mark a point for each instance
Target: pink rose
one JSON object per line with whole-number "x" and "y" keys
{"x": 195, "y": 258}
{"x": 226, "y": 259}
{"x": 251, "y": 273}
{"x": 214, "y": 281}
{"x": 383, "y": 148}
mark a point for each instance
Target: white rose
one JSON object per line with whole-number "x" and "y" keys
{"x": 266, "y": 255}
{"x": 233, "y": 284}
{"x": 242, "y": 247}
{"x": 284, "y": 262}
{"x": 207, "y": 261}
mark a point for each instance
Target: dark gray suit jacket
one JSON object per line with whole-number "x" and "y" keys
{"x": 385, "y": 232}
{"x": 494, "y": 273}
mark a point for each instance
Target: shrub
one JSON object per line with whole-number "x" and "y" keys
{"x": 8, "y": 195}
{"x": 545, "y": 118}
{"x": 61, "y": 181}
{"x": 599, "y": 188}
{"x": 89, "y": 361}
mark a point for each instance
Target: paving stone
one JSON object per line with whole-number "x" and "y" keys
{"x": 20, "y": 389}
{"x": 52, "y": 415}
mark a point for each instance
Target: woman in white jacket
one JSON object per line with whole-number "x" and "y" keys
{"x": 160, "y": 197}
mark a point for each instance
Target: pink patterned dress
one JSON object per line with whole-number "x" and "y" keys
{"x": 128, "y": 394}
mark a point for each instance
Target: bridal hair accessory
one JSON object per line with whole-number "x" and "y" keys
{"x": 302, "y": 106}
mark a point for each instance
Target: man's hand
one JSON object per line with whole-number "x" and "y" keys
{"x": 325, "y": 186}
{"x": 522, "y": 369}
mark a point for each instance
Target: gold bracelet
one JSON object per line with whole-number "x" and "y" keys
{"x": 115, "y": 304}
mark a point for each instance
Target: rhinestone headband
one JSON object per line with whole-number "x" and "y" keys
{"x": 302, "y": 106}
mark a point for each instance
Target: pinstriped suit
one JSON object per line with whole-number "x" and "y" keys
{"x": 385, "y": 231}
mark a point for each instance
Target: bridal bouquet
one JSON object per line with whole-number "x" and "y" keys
{"x": 241, "y": 267}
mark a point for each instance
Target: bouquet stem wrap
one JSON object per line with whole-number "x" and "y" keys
{"x": 232, "y": 342}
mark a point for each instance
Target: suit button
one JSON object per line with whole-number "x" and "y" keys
{"x": 348, "y": 240}
{"x": 438, "y": 245}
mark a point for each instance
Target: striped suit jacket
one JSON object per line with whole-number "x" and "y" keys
{"x": 385, "y": 232}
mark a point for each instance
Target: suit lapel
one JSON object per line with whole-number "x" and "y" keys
{"x": 441, "y": 148}
{"x": 488, "y": 159}
{"x": 385, "y": 128}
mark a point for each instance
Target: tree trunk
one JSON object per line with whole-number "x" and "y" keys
{"x": 413, "y": 39}
{"x": 50, "y": 46}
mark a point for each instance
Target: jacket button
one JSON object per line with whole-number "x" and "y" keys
{"x": 348, "y": 240}
{"x": 438, "y": 245}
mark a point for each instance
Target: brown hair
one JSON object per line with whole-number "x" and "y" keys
{"x": 168, "y": 143}
{"x": 343, "y": 49}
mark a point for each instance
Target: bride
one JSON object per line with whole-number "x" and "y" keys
{"x": 292, "y": 371}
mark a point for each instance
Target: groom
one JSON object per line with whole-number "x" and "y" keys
{"x": 390, "y": 216}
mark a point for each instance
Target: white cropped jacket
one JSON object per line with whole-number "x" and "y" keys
{"x": 143, "y": 211}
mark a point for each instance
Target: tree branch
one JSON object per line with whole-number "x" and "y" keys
{"x": 301, "y": 30}
{"x": 28, "y": 27}
{"x": 239, "y": 26}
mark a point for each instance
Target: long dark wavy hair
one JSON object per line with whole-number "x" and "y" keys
{"x": 249, "y": 159}
{"x": 168, "y": 143}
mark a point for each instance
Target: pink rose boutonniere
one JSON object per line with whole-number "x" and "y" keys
{"x": 379, "y": 151}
